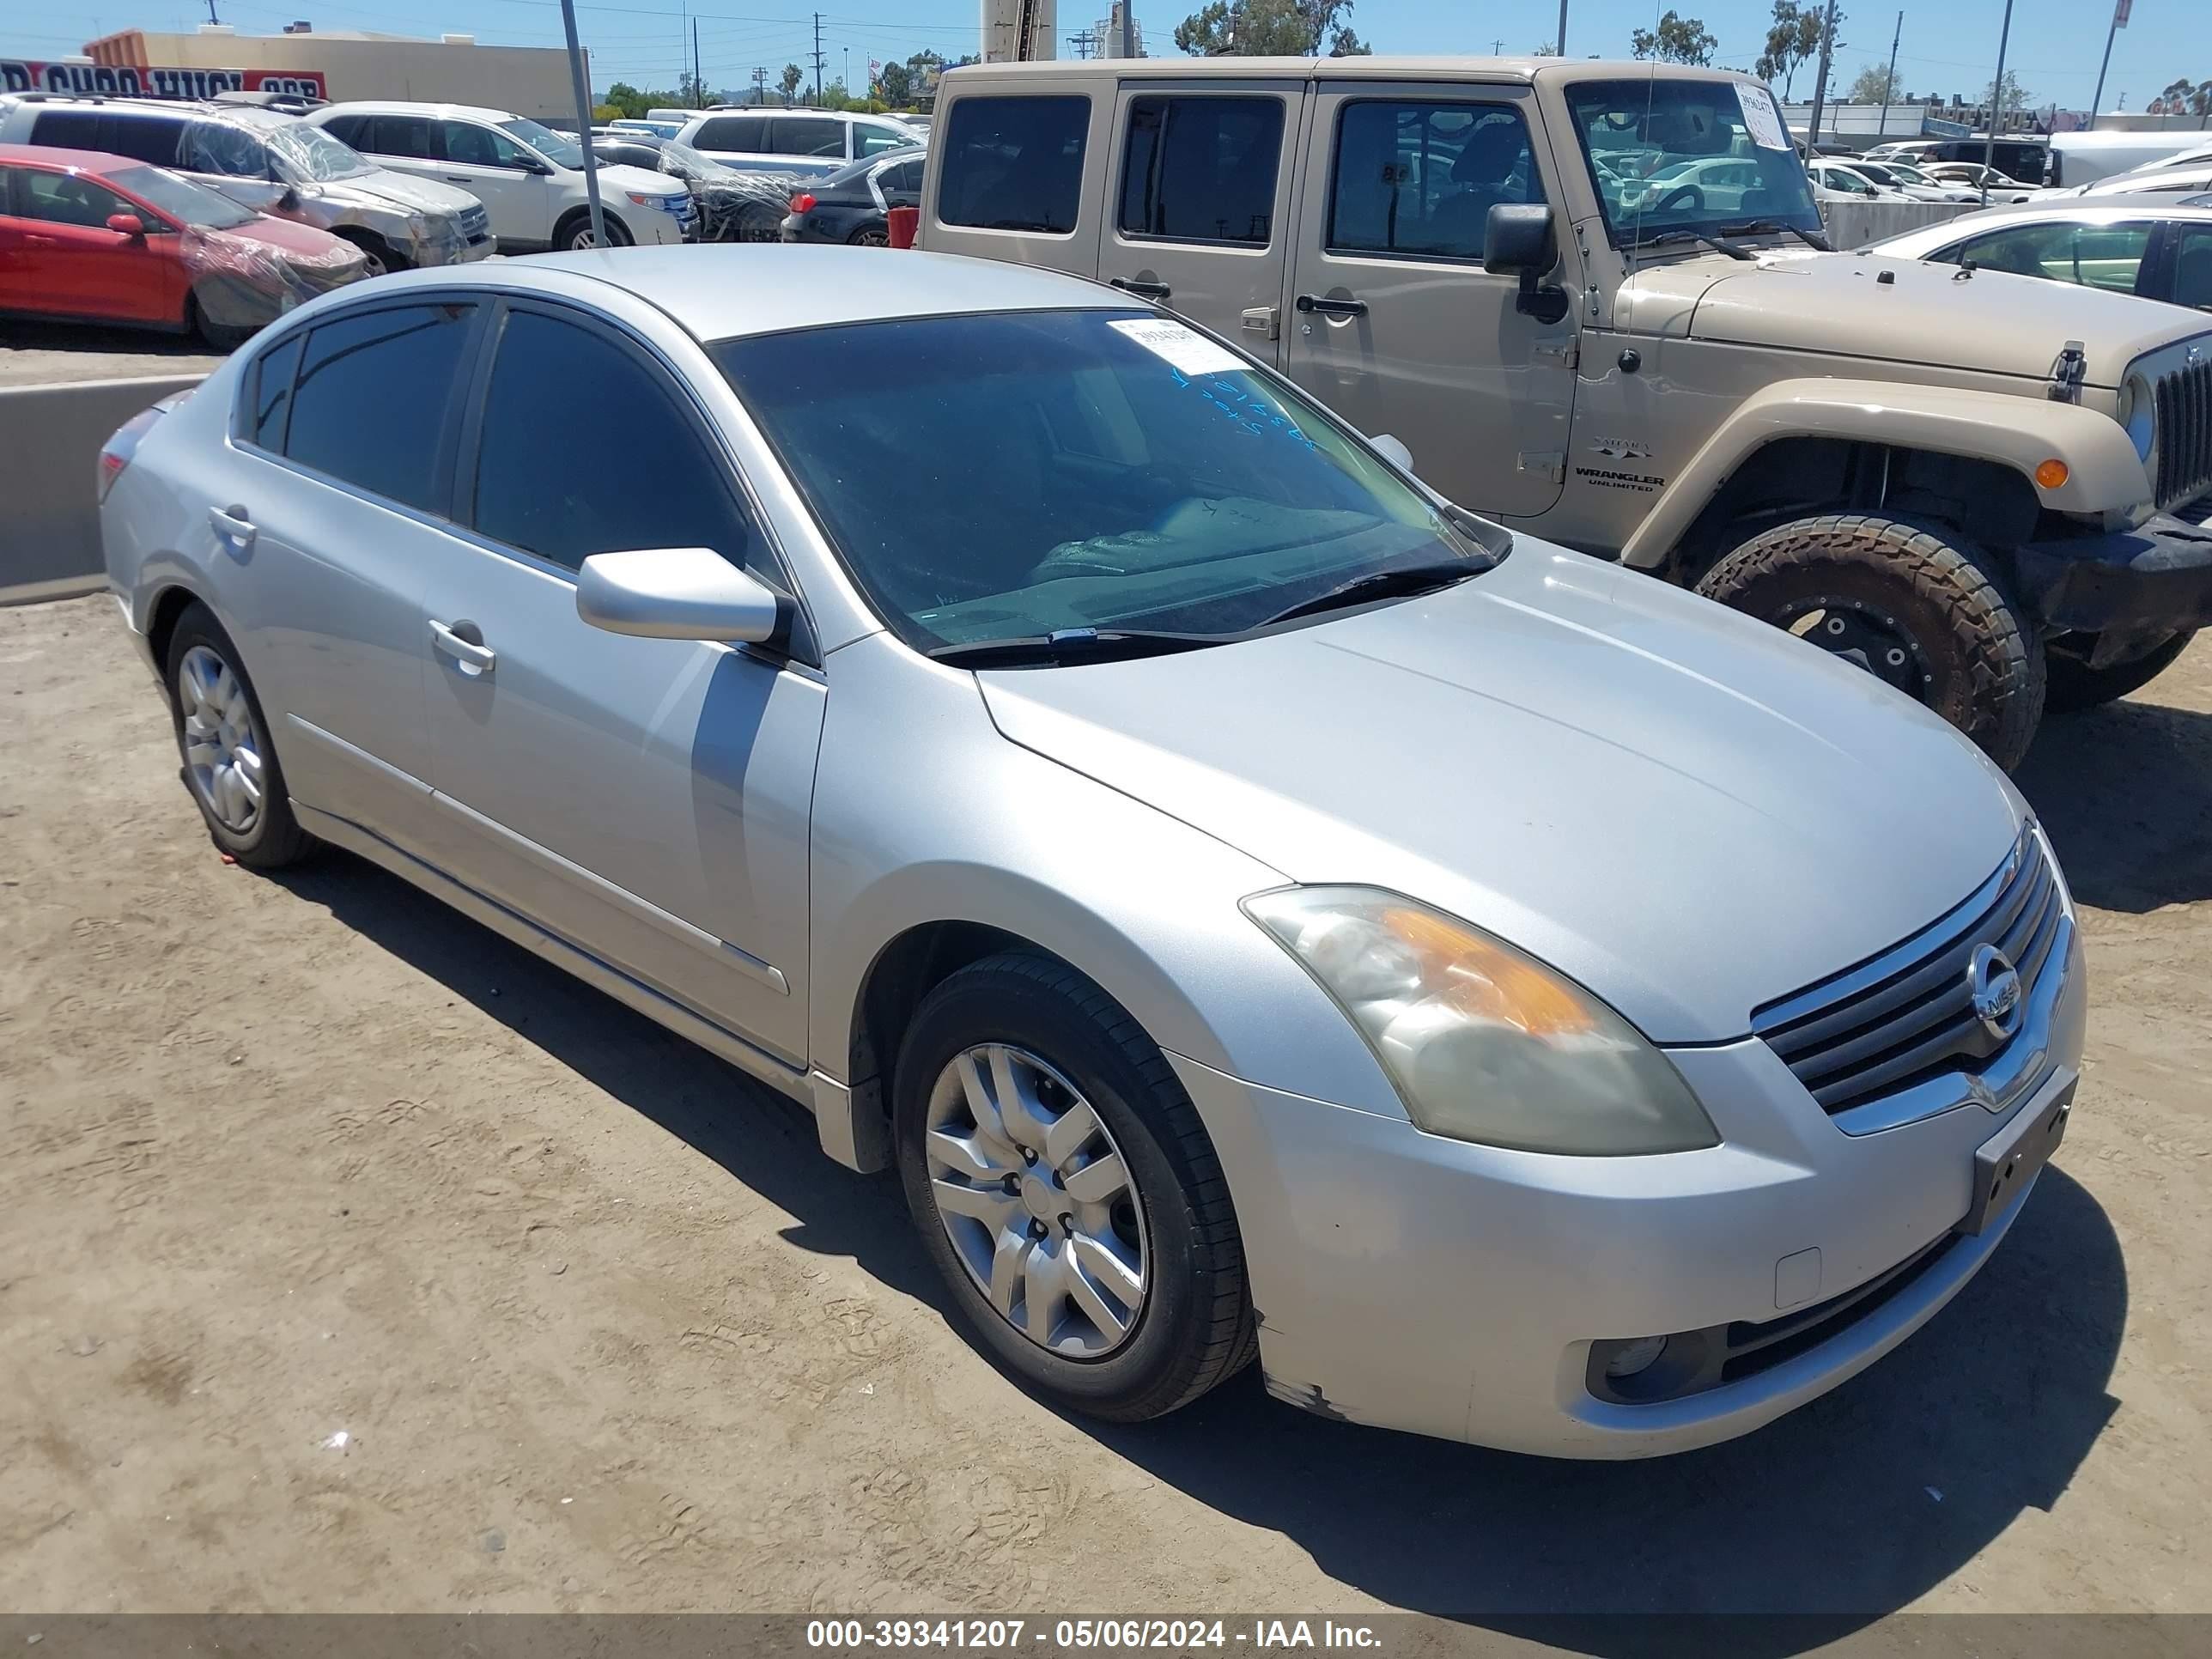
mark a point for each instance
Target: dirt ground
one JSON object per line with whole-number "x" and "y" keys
{"x": 350, "y": 1259}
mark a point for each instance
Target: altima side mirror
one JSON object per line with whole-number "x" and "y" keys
{"x": 126, "y": 224}
{"x": 1517, "y": 241}
{"x": 676, "y": 593}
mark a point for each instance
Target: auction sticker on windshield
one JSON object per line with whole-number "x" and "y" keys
{"x": 1760, "y": 117}
{"x": 1192, "y": 353}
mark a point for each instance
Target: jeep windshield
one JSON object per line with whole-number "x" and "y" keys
{"x": 1059, "y": 485}
{"x": 1705, "y": 157}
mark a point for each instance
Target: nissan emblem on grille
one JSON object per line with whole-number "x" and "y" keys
{"x": 1994, "y": 984}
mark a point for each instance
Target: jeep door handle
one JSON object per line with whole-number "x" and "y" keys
{"x": 473, "y": 658}
{"x": 1142, "y": 290}
{"x": 1310, "y": 303}
{"x": 233, "y": 525}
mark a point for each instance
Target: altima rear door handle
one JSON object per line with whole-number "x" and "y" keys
{"x": 478, "y": 659}
{"x": 233, "y": 525}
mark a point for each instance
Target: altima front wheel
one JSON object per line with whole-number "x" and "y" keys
{"x": 1066, "y": 1189}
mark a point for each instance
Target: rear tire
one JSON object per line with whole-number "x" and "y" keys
{"x": 1166, "y": 1219}
{"x": 871, "y": 236}
{"x": 2074, "y": 684}
{"x": 1911, "y": 602}
{"x": 222, "y": 738}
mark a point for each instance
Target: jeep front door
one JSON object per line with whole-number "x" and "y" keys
{"x": 1199, "y": 215}
{"x": 1395, "y": 324}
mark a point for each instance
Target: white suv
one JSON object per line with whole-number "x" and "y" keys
{"x": 529, "y": 178}
{"x": 809, "y": 143}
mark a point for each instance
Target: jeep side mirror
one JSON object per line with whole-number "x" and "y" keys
{"x": 1517, "y": 241}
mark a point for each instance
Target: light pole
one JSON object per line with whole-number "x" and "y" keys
{"x": 584, "y": 124}
{"x": 1996, "y": 104}
{"x": 2119, "y": 22}
{"x": 1563, "y": 27}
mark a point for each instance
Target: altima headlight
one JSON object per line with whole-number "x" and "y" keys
{"x": 2138, "y": 412}
{"x": 1482, "y": 1041}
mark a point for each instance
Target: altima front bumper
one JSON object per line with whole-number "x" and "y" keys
{"x": 1414, "y": 1282}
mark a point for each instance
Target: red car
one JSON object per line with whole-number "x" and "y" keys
{"x": 93, "y": 238}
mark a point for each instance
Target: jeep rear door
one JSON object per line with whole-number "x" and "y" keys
{"x": 1393, "y": 322}
{"x": 1198, "y": 200}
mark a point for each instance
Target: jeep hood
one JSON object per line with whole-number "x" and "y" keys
{"x": 1687, "y": 811}
{"x": 1927, "y": 315}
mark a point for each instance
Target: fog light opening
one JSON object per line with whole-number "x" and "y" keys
{"x": 1631, "y": 1357}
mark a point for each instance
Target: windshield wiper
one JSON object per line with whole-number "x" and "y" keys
{"x": 1067, "y": 645}
{"x": 1718, "y": 244}
{"x": 1403, "y": 582}
{"x": 1774, "y": 227}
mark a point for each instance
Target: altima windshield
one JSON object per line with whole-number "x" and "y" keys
{"x": 1689, "y": 156}
{"x": 1014, "y": 476}
{"x": 558, "y": 148}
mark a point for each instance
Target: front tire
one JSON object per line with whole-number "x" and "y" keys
{"x": 382, "y": 257}
{"x": 1910, "y": 603}
{"x": 222, "y": 737}
{"x": 2074, "y": 684}
{"x": 1064, "y": 1188}
{"x": 575, "y": 233}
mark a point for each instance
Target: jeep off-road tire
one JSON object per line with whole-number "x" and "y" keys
{"x": 2074, "y": 684}
{"x": 1103, "y": 1128}
{"x": 1912, "y": 603}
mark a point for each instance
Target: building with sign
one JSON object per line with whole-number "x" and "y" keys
{"x": 348, "y": 63}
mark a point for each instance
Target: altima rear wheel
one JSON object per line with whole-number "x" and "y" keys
{"x": 1066, "y": 1189}
{"x": 222, "y": 737}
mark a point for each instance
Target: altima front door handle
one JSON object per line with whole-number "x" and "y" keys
{"x": 233, "y": 525}
{"x": 473, "y": 657}
{"x": 1313, "y": 302}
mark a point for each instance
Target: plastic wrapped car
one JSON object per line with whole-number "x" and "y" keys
{"x": 734, "y": 206}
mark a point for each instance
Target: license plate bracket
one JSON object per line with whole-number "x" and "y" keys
{"x": 2008, "y": 1160}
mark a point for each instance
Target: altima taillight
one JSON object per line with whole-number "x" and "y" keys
{"x": 803, "y": 203}
{"x": 115, "y": 454}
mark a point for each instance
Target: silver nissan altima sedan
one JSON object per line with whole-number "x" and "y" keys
{"x": 1258, "y": 907}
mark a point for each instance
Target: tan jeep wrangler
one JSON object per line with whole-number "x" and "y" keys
{"x": 1586, "y": 297}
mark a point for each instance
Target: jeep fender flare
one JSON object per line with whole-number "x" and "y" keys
{"x": 2103, "y": 471}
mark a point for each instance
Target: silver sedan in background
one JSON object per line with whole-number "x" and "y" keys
{"x": 1219, "y": 874}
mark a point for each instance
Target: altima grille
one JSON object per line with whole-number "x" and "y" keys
{"x": 2184, "y": 433}
{"x": 1908, "y": 1014}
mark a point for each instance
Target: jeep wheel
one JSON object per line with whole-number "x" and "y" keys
{"x": 1909, "y": 604}
{"x": 2074, "y": 684}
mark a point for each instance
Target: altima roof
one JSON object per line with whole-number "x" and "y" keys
{"x": 728, "y": 289}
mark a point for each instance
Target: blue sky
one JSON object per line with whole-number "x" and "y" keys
{"x": 1949, "y": 45}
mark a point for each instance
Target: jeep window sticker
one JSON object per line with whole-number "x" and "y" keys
{"x": 1759, "y": 117}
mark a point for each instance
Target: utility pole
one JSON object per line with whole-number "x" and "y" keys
{"x": 2097, "y": 99}
{"x": 1889, "y": 86}
{"x": 1996, "y": 104}
{"x": 760, "y": 85}
{"x": 1128, "y": 30}
{"x": 1820, "y": 83}
{"x": 698, "y": 92}
{"x": 1563, "y": 27}
{"x": 845, "y": 75}
{"x": 817, "y": 56}
{"x": 212, "y": 18}
{"x": 1083, "y": 43}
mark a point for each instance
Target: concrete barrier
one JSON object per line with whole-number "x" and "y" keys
{"x": 1854, "y": 224}
{"x": 49, "y": 440}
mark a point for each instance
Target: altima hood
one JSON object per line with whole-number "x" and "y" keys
{"x": 1993, "y": 321}
{"x": 1685, "y": 810}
